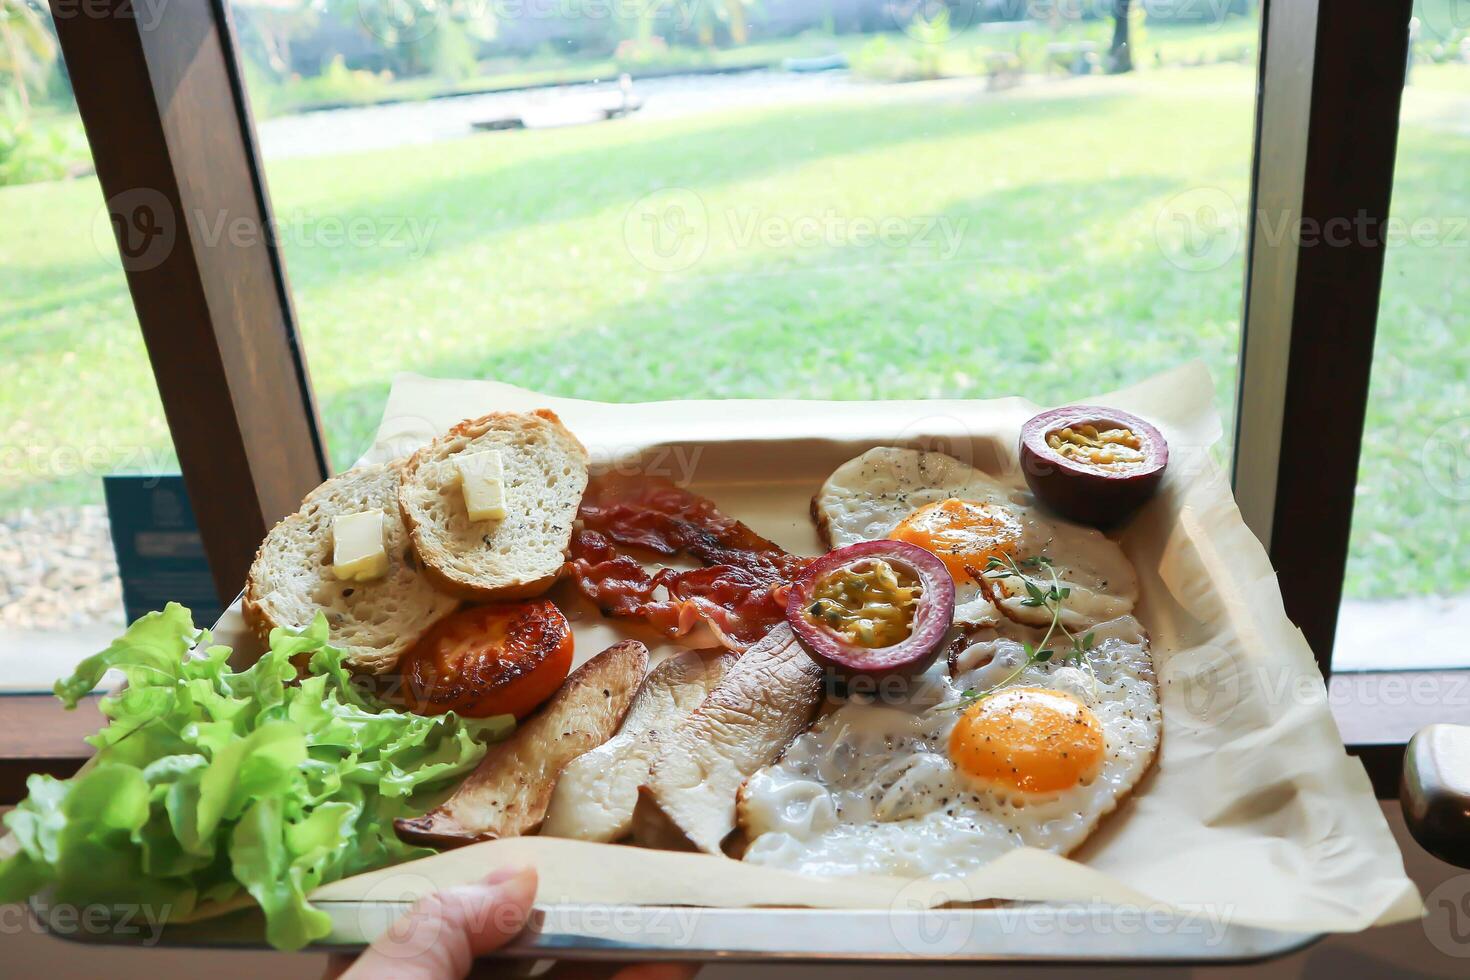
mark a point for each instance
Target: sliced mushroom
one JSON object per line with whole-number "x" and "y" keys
{"x": 507, "y": 794}
{"x": 596, "y": 794}
{"x": 765, "y": 699}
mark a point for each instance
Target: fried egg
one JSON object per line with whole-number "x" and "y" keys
{"x": 915, "y": 786}
{"x": 967, "y": 517}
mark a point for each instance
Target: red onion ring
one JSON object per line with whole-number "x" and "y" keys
{"x": 933, "y": 613}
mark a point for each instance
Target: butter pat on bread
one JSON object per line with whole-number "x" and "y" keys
{"x": 482, "y": 479}
{"x": 293, "y": 576}
{"x": 543, "y": 475}
{"x": 357, "y": 546}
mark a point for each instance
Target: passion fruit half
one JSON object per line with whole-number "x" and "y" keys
{"x": 872, "y": 609}
{"x": 1091, "y": 464}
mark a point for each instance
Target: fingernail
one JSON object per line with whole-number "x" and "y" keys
{"x": 501, "y": 875}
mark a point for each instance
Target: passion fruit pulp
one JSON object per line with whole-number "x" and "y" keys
{"x": 831, "y": 608}
{"x": 1092, "y": 464}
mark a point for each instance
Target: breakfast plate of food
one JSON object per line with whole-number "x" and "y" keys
{"x": 767, "y": 671}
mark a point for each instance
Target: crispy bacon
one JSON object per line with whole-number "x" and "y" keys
{"x": 740, "y": 593}
{"x": 657, "y": 515}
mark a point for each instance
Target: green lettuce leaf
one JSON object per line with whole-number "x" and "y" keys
{"x": 210, "y": 781}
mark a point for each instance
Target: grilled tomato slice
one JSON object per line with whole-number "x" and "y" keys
{"x": 502, "y": 659}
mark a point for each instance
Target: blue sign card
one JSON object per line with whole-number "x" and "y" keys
{"x": 160, "y": 556}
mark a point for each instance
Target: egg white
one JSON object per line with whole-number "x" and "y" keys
{"x": 870, "y": 787}
{"x": 866, "y": 498}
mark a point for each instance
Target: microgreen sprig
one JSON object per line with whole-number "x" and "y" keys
{"x": 1052, "y": 598}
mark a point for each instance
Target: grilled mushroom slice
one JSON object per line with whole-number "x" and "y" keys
{"x": 765, "y": 699}
{"x": 507, "y": 795}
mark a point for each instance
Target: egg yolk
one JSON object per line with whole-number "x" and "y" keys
{"x": 1028, "y": 739}
{"x": 964, "y": 534}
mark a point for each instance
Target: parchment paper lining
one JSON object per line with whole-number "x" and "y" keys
{"x": 1253, "y": 811}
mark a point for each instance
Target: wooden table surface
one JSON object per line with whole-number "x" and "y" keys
{"x": 38, "y": 735}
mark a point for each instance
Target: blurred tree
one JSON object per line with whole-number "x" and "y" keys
{"x": 1120, "y": 53}
{"x": 409, "y": 31}
{"x": 704, "y": 20}
{"x": 27, "y": 48}
{"x": 271, "y": 30}
{"x": 710, "y": 16}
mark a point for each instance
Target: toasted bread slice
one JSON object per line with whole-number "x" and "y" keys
{"x": 291, "y": 579}
{"x": 521, "y": 554}
{"x": 507, "y": 794}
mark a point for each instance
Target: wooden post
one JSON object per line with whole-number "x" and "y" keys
{"x": 1332, "y": 77}
{"x": 165, "y": 113}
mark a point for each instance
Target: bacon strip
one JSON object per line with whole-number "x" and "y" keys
{"x": 740, "y": 593}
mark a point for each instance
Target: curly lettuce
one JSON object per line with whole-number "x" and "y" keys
{"x": 210, "y": 784}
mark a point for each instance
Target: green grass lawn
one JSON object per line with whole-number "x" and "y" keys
{"x": 1054, "y": 285}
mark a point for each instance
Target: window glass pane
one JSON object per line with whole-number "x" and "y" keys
{"x": 863, "y": 200}
{"x": 1408, "y": 578}
{"x": 78, "y": 401}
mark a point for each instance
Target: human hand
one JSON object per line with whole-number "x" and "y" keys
{"x": 442, "y": 935}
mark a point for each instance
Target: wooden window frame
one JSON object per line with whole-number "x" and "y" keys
{"x": 164, "y": 107}
{"x": 167, "y": 117}
{"x": 1331, "y": 81}
{"x": 165, "y": 111}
